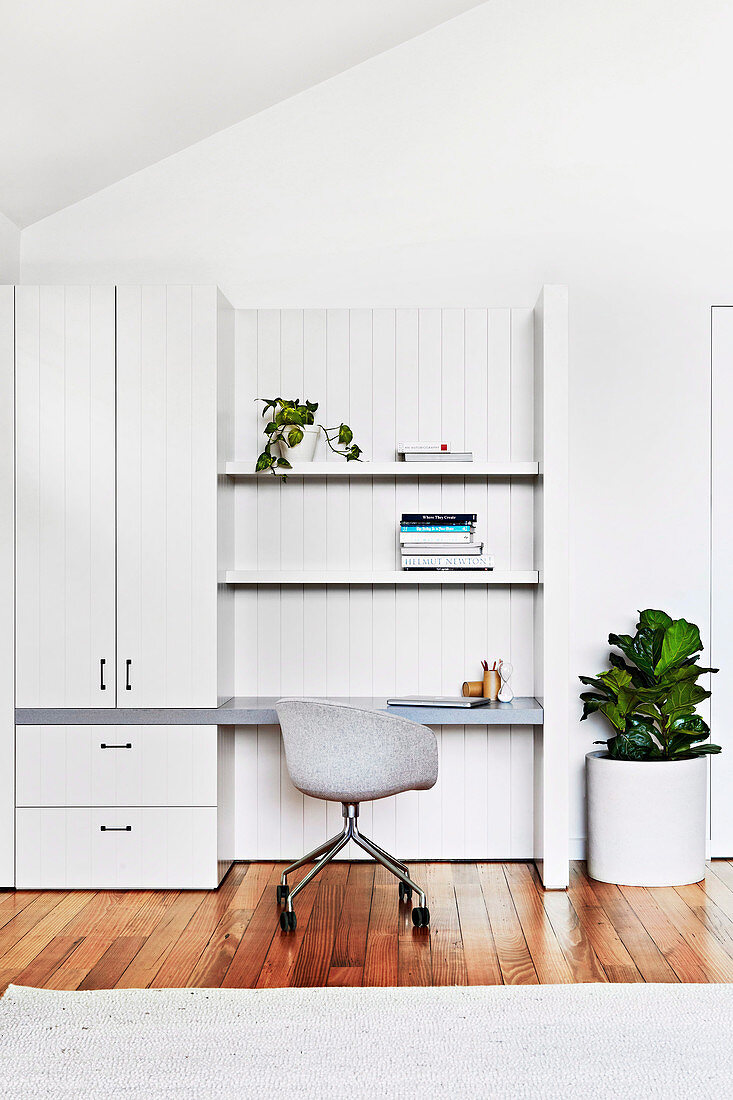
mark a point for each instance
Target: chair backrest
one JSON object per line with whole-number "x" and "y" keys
{"x": 347, "y": 754}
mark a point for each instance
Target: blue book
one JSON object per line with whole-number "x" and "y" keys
{"x": 437, "y": 527}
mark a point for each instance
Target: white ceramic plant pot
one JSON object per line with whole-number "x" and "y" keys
{"x": 646, "y": 820}
{"x": 305, "y": 450}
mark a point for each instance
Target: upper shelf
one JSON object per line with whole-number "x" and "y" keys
{"x": 395, "y": 469}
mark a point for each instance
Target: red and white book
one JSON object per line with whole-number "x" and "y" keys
{"x": 423, "y": 445}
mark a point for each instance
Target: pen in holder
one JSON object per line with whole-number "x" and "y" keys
{"x": 491, "y": 685}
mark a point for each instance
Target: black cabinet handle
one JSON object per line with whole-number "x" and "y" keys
{"x": 102, "y": 685}
{"x": 128, "y": 666}
{"x": 127, "y": 746}
{"x": 115, "y": 828}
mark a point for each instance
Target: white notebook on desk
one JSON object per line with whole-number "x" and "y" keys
{"x": 436, "y": 701}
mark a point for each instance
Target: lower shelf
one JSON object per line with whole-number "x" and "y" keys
{"x": 382, "y": 576}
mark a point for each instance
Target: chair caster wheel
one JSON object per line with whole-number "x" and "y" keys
{"x": 420, "y": 917}
{"x": 282, "y": 894}
{"x": 288, "y": 921}
{"x": 405, "y": 892}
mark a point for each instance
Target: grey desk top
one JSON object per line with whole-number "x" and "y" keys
{"x": 260, "y": 711}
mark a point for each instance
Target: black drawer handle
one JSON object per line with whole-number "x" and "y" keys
{"x": 127, "y": 746}
{"x": 102, "y": 663}
{"x": 128, "y": 666}
{"x": 115, "y": 828}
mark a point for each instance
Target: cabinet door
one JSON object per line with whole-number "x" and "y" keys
{"x": 65, "y": 496}
{"x": 166, "y": 496}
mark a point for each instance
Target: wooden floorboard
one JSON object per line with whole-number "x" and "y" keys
{"x": 491, "y": 923}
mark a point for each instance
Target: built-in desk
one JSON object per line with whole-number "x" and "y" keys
{"x": 260, "y": 711}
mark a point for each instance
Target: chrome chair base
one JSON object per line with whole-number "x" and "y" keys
{"x": 324, "y": 853}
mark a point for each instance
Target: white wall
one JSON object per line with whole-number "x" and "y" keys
{"x": 524, "y": 142}
{"x": 9, "y": 251}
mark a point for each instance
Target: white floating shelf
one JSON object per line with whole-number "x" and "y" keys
{"x": 382, "y": 576}
{"x": 393, "y": 469}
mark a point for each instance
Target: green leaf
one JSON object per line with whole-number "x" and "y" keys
{"x": 284, "y": 463}
{"x": 654, "y": 620}
{"x": 289, "y": 415}
{"x": 595, "y": 682}
{"x": 618, "y": 683}
{"x": 685, "y": 672}
{"x": 639, "y": 723}
{"x": 624, "y": 642}
{"x": 614, "y": 715}
{"x": 681, "y": 639}
{"x": 264, "y": 462}
{"x": 692, "y": 724}
{"x": 295, "y": 436}
{"x": 648, "y": 710}
{"x": 345, "y": 434}
{"x": 643, "y": 649}
{"x": 637, "y": 676}
{"x": 682, "y": 699}
{"x": 635, "y": 744}
{"x": 591, "y": 703}
{"x": 647, "y": 648}
{"x": 706, "y": 750}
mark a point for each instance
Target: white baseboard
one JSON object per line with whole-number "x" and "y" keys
{"x": 577, "y": 847}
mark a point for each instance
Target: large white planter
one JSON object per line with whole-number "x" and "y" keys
{"x": 305, "y": 450}
{"x": 647, "y": 820}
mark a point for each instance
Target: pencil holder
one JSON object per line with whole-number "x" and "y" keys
{"x": 491, "y": 685}
{"x": 473, "y": 689}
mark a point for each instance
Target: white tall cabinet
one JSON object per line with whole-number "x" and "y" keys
{"x": 116, "y": 496}
{"x": 122, "y": 397}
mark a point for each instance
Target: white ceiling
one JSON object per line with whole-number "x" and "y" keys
{"x": 94, "y": 90}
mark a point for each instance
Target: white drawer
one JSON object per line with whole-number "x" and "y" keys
{"x": 115, "y": 766}
{"x": 114, "y": 847}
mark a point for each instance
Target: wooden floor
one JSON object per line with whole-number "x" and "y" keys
{"x": 491, "y": 923}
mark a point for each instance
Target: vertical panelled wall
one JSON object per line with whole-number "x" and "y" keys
{"x": 462, "y": 374}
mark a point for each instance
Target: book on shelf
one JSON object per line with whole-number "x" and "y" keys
{"x": 437, "y": 537}
{"x": 438, "y": 456}
{"x": 441, "y": 541}
{"x": 441, "y": 519}
{"x": 438, "y": 529}
{"x": 448, "y": 561}
{"x": 404, "y": 447}
{"x": 442, "y": 548}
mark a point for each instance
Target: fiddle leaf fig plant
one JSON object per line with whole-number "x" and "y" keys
{"x": 650, "y": 693}
{"x": 285, "y": 423}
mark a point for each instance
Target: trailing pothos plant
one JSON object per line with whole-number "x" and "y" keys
{"x": 650, "y": 693}
{"x": 285, "y": 423}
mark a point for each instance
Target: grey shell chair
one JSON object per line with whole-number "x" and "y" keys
{"x": 345, "y": 754}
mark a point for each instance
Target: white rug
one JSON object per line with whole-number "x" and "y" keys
{"x": 515, "y": 1042}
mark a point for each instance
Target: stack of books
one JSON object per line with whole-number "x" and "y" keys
{"x": 432, "y": 451}
{"x": 442, "y": 540}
